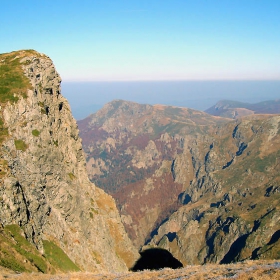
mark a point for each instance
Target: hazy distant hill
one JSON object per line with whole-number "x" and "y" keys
{"x": 235, "y": 109}
{"x": 203, "y": 187}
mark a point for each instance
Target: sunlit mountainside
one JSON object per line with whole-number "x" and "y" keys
{"x": 206, "y": 188}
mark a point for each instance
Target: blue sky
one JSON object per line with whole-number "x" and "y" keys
{"x": 128, "y": 40}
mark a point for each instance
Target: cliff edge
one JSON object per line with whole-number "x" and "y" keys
{"x": 45, "y": 193}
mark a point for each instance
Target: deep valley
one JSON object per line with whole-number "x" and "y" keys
{"x": 197, "y": 187}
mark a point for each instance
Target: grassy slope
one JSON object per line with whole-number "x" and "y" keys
{"x": 17, "y": 254}
{"x": 13, "y": 82}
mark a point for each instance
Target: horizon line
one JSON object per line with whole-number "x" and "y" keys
{"x": 175, "y": 80}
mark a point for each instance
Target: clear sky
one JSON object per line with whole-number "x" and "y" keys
{"x": 108, "y": 40}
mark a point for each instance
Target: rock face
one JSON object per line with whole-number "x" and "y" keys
{"x": 44, "y": 185}
{"x": 203, "y": 187}
{"x": 232, "y": 212}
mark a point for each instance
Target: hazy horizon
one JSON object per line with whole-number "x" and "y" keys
{"x": 195, "y": 50}
{"x": 88, "y": 97}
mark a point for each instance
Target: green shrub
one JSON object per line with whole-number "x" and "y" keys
{"x": 35, "y": 132}
{"x": 71, "y": 176}
{"x": 20, "y": 145}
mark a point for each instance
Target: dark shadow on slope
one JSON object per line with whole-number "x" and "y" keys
{"x": 274, "y": 238}
{"x": 255, "y": 254}
{"x": 171, "y": 236}
{"x": 184, "y": 198}
{"x": 241, "y": 149}
{"x": 156, "y": 258}
{"x": 239, "y": 244}
{"x": 228, "y": 164}
{"x": 235, "y": 249}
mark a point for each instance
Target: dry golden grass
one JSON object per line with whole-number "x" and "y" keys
{"x": 251, "y": 270}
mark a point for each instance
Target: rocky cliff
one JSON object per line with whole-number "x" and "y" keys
{"x": 203, "y": 187}
{"x": 232, "y": 211}
{"x": 44, "y": 185}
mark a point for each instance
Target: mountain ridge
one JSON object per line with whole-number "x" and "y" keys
{"x": 236, "y": 109}
{"x": 212, "y": 170}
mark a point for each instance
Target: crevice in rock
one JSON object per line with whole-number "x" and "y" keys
{"x": 228, "y": 164}
{"x": 47, "y": 110}
{"x": 184, "y": 198}
{"x": 49, "y": 91}
{"x": 272, "y": 190}
{"x": 24, "y": 200}
{"x": 60, "y": 106}
{"x": 241, "y": 148}
{"x": 173, "y": 170}
{"x": 235, "y": 131}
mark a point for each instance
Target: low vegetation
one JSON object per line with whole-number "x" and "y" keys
{"x": 18, "y": 255}
{"x": 241, "y": 271}
{"x": 35, "y": 132}
{"x": 20, "y": 145}
{"x": 71, "y": 176}
{"x": 58, "y": 258}
{"x": 13, "y": 82}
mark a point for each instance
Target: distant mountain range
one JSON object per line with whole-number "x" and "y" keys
{"x": 204, "y": 187}
{"x": 235, "y": 109}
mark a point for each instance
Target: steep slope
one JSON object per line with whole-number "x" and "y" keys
{"x": 44, "y": 186}
{"x": 235, "y": 109}
{"x": 130, "y": 149}
{"x": 203, "y": 187}
{"x": 232, "y": 211}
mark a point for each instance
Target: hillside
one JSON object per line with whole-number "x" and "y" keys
{"x": 203, "y": 187}
{"x": 52, "y": 219}
{"x": 235, "y": 109}
{"x": 130, "y": 148}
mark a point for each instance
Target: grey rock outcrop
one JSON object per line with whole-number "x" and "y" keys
{"x": 45, "y": 188}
